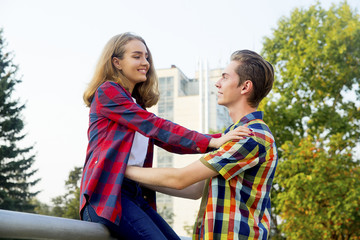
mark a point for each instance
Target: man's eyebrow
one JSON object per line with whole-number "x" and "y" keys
{"x": 224, "y": 74}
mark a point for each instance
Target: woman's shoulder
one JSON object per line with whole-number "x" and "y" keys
{"x": 110, "y": 84}
{"x": 112, "y": 89}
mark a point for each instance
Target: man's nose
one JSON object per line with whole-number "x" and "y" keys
{"x": 217, "y": 84}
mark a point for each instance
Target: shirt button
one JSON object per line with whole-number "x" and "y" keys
{"x": 198, "y": 149}
{"x": 96, "y": 162}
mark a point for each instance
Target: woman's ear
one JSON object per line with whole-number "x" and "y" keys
{"x": 116, "y": 63}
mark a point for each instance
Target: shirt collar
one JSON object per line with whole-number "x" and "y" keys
{"x": 251, "y": 116}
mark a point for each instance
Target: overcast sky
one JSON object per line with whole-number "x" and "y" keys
{"x": 57, "y": 44}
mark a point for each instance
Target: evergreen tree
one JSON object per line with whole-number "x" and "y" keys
{"x": 15, "y": 162}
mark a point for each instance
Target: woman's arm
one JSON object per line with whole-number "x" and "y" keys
{"x": 114, "y": 102}
{"x": 216, "y": 141}
{"x": 181, "y": 150}
{"x": 193, "y": 191}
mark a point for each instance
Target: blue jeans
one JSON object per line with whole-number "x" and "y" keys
{"x": 138, "y": 220}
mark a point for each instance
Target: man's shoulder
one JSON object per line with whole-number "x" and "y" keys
{"x": 258, "y": 124}
{"x": 262, "y": 133}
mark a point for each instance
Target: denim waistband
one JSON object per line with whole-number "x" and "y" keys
{"x": 130, "y": 187}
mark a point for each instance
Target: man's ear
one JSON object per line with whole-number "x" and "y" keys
{"x": 116, "y": 63}
{"x": 246, "y": 87}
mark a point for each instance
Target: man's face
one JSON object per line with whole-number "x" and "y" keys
{"x": 228, "y": 91}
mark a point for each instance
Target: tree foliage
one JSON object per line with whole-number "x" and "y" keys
{"x": 316, "y": 54}
{"x": 15, "y": 161}
{"x": 322, "y": 191}
{"x": 314, "y": 114}
{"x": 67, "y": 205}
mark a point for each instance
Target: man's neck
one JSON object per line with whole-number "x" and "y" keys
{"x": 238, "y": 112}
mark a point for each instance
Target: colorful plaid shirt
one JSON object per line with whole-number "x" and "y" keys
{"x": 114, "y": 118}
{"x": 236, "y": 203}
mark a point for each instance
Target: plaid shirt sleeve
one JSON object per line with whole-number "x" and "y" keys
{"x": 181, "y": 150}
{"x": 116, "y": 105}
{"x": 235, "y": 157}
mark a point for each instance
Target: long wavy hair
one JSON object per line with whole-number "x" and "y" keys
{"x": 146, "y": 93}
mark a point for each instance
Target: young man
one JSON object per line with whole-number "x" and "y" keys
{"x": 236, "y": 196}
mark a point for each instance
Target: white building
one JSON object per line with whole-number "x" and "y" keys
{"x": 191, "y": 103}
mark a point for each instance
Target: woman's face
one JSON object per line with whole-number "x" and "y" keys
{"x": 134, "y": 65}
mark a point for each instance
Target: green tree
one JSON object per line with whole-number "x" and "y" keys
{"x": 58, "y": 208}
{"x": 316, "y": 54}
{"x": 15, "y": 161}
{"x": 322, "y": 191}
{"x": 67, "y": 205}
{"x": 72, "y": 197}
{"x": 40, "y": 208}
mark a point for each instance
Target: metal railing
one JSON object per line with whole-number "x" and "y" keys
{"x": 33, "y": 226}
{"x": 21, "y": 225}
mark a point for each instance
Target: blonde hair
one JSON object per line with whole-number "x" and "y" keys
{"x": 146, "y": 93}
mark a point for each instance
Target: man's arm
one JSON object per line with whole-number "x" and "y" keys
{"x": 177, "y": 178}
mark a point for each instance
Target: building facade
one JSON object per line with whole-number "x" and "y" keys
{"x": 191, "y": 103}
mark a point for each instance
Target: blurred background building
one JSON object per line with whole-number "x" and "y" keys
{"x": 191, "y": 103}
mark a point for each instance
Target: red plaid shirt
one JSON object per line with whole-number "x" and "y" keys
{"x": 114, "y": 118}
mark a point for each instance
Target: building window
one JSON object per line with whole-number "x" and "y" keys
{"x": 166, "y": 102}
{"x": 164, "y": 158}
{"x": 183, "y": 87}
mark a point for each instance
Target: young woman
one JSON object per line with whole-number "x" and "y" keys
{"x": 121, "y": 132}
